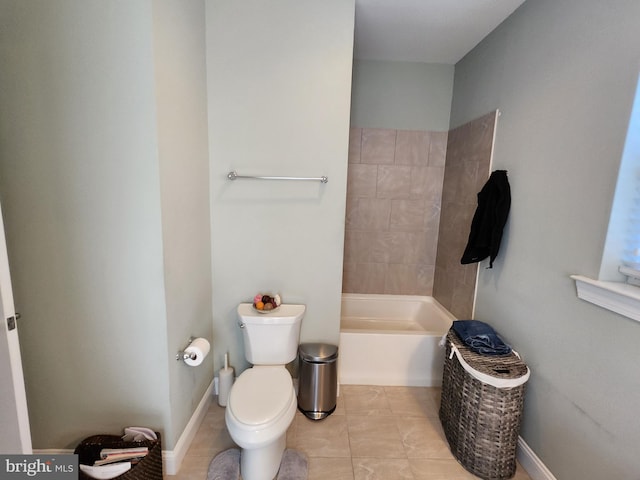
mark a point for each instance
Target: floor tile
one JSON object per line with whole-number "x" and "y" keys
{"x": 375, "y": 433}
{"x": 521, "y": 473}
{"x": 423, "y": 437}
{"x": 377, "y": 437}
{"x": 411, "y": 401}
{"x": 210, "y": 439}
{"x": 438, "y": 469}
{"x": 365, "y": 400}
{"x": 322, "y": 438}
{"x": 381, "y": 469}
{"x": 449, "y": 469}
{"x": 321, "y": 468}
{"x": 339, "y": 406}
{"x": 193, "y": 468}
{"x": 291, "y": 432}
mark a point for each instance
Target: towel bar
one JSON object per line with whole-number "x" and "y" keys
{"x": 233, "y": 175}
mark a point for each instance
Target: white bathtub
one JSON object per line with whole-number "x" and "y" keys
{"x": 391, "y": 340}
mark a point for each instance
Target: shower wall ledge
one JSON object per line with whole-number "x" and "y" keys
{"x": 621, "y": 298}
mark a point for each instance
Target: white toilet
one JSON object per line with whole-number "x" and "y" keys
{"x": 262, "y": 401}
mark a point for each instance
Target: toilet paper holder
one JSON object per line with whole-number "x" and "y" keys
{"x": 184, "y": 355}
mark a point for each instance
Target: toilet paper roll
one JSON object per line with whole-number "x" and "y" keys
{"x": 197, "y": 350}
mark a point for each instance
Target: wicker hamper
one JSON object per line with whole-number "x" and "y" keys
{"x": 481, "y": 420}
{"x": 149, "y": 468}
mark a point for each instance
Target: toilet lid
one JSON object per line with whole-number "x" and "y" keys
{"x": 260, "y": 395}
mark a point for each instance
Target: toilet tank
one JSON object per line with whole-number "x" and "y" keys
{"x": 271, "y": 338}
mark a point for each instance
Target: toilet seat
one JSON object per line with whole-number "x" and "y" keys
{"x": 261, "y": 395}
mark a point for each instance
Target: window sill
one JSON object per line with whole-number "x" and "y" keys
{"x": 619, "y": 297}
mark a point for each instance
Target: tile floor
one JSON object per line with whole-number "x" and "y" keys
{"x": 375, "y": 433}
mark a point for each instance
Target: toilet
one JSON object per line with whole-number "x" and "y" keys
{"x": 262, "y": 402}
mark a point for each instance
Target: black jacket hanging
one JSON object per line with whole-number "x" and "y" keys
{"x": 494, "y": 201}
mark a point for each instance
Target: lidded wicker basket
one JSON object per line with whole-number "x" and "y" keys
{"x": 481, "y": 408}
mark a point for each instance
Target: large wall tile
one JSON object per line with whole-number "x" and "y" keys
{"x": 438, "y": 149}
{"x": 401, "y": 279}
{"x": 467, "y": 168}
{"x": 365, "y": 278}
{"x": 378, "y": 146}
{"x": 412, "y": 148}
{"x": 426, "y": 183}
{"x": 394, "y": 197}
{"x": 370, "y": 214}
{"x": 411, "y": 198}
{"x": 393, "y": 181}
{"x": 407, "y": 215}
{"x": 362, "y": 180}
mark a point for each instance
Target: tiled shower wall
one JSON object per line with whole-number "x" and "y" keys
{"x": 469, "y": 150}
{"x": 394, "y": 191}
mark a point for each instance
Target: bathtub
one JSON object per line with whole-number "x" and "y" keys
{"x": 391, "y": 340}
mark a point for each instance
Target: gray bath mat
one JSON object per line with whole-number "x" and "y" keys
{"x": 226, "y": 466}
{"x": 293, "y": 466}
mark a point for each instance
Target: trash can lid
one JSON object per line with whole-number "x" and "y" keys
{"x": 318, "y": 352}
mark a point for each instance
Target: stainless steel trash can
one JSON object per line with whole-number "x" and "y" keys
{"x": 317, "y": 379}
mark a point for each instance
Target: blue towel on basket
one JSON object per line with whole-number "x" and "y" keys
{"x": 480, "y": 337}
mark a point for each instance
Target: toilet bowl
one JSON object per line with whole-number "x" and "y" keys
{"x": 262, "y": 402}
{"x": 261, "y": 406}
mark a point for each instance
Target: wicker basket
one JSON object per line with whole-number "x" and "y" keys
{"x": 149, "y": 468}
{"x": 482, "y": 421}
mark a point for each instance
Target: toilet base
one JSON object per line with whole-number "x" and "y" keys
{"x": 262, "y": 463}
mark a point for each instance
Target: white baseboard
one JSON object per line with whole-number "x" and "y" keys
{"x": 531, "y": 463}
{"x": 172, "y": 459}
{"x": 52, "y": 451}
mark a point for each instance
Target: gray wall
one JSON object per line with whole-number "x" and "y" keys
{"x": 401, "y": 95}
{"x": 563, "y": 74}
{"x": 92, "y": 197}
{"x": 183, "y": 155}
{"x": 278, "y": 106}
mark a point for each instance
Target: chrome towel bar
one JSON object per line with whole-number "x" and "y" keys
{"x": 233, "y": 175}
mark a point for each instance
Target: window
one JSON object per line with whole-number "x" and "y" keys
{"x": 618, "y": 284}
